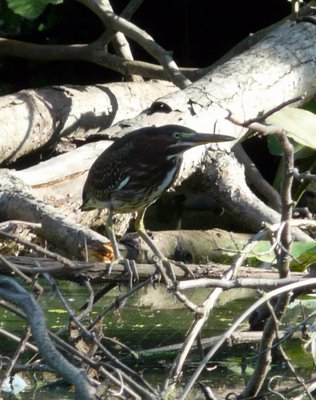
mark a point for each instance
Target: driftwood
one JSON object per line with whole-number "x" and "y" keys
{"x": 41, "y": 117}
{"x": 205, "y": 106}
{"x": 16, "y": 201}
{"x": 240, "y": 337}
{"x": 98, "y": 272}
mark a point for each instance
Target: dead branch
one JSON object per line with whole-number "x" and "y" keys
{"x": 308, "y": 176}
{"x": 233, "y": 327}
{"x": 282, "y": 252}
{"x": 237, "y": 337}
{"x": 250, "y": 283}
{"x": 207, "y": 275}
{"x": 97, "y": 51}
{"x": 93, "y": 52}
{"x": 256, "y": 180}
{"x": 18, "y": 203}
{"x": 41, "y": 117}
{"x": 140, "y": 37}
{"x": 13, "y": 292}
{"x": 119, "y": 42}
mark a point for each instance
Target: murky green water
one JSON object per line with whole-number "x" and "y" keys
{"x": 153, "y": 318}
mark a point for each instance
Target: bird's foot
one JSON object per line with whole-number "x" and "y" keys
{"x": 185, "y": 268}
{"x": 130, "y": 268}
{"x": 166, "y": 270}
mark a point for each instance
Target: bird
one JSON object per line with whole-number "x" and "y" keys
{"x": 135, "y": 170}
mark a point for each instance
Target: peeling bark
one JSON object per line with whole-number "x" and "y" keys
{"x": 17, "y": 202}
{"x": 41, "y": 117}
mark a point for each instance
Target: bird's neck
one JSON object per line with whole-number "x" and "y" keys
{"x": 175, "y": 158}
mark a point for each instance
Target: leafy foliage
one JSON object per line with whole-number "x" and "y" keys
{"x": 299, "y": 124}
{"x": 302, "y": 254}
{"x": 30, "y": 8}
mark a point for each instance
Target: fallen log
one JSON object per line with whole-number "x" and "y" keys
{"x": 98, "y": 272}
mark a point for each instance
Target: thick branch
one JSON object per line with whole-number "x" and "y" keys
{"x": 40, "y": 117}
{"x": 207, "y": 275}
{"x": 15, "y": 199}
{"x": 140, "y": 37}
{"x": 224, "y": 178}
{"x": 256, "y": 180}
{"x": 93, "y": 52}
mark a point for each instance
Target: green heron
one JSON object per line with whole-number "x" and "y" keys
{"x": 135, "y": 170}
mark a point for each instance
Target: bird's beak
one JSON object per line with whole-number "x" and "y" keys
{"x": 191, "y": 140}
{"x": 204, "y": 138}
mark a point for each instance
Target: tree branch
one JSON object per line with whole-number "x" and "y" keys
{"x": 141, "y": 37}
{"x": 93, "y": 52}
{"x": 13, "y": 292}
{"x": 234, "y": 326}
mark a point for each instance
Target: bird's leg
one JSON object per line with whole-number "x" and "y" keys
{"x": 140, "y": 228}
{"x": 161, "y": 259}
{"x": 112, "y": 237}
{"x": 117, "y": 253}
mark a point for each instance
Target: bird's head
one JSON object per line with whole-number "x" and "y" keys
{"x": 176, "y": 139}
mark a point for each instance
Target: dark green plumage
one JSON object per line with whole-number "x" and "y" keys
{"x": 136, "y": 169}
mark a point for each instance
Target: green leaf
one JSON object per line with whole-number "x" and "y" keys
{"x": 299, "y": 124}
{"x": 300, "y": 152}
{"x": 311, "y": 106}
{"x": 30, "y": 8}
{"x": 303, "y": 254}
{"x": 274, "y": 146}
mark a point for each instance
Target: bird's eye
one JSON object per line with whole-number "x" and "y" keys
{"x": 177, "y": 135}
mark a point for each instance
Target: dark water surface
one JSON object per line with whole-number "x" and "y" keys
{"x": 152, "y": 319}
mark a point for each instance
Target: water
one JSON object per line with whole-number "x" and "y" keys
{"x": 152, "y": 319}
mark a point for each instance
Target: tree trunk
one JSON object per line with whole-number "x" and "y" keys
{"x": 41, "y": 117}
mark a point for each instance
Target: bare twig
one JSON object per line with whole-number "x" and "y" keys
{"x": 13, "y": 292}
{"x": 140, "y": 37}
{"x": 263, "y": 284}
{"x": 119, "y": 300}
{"x": 249, "y": 123}
{"x": 299, "y": 379}
{"x": 203, "y": 314}
{"x": 267, "y": 296}
{"x": 183, "y": 299}
{"x": 263, "y": 362}
{"x": 65, "y": 261}
{"x": 9, "y": 225}
{"x": 19, "y": 350}
{"x": 283, "y": 354}
{"x": 303, "y": 175}
{"x": 14, "y": 268}
{"x": 17, "y": 339}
